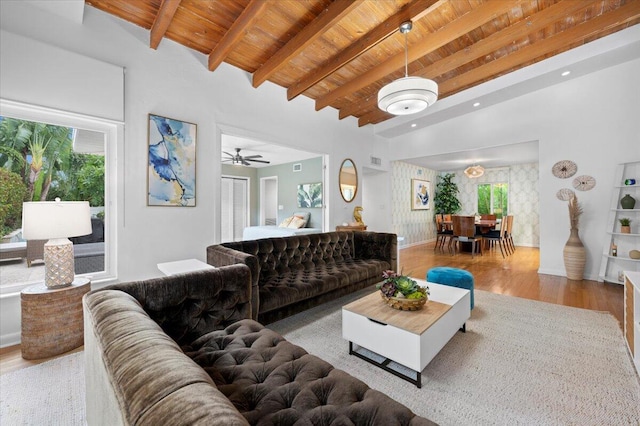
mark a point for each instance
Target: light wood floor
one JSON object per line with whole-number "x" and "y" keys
{"x": 515, "y": 276}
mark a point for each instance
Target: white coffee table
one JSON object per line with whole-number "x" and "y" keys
{"x": 410, "y": 338}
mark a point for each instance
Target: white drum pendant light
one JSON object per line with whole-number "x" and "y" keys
{"x": 407, "y": 95}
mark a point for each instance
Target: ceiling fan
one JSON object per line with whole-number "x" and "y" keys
{"x": 244, "y": 160}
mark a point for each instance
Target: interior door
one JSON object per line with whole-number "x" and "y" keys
{"x": 235, "y": 208}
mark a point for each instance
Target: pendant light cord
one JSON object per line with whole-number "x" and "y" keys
{"x": 406, "y": 55}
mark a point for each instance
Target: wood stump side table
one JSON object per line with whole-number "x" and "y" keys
{"x": 52, "y": 320}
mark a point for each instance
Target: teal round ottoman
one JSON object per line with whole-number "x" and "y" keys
{"x": 453, "y": 277}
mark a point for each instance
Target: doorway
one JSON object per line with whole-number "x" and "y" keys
{"x": 269, "y": 200}
{"x": 235, "y": 207}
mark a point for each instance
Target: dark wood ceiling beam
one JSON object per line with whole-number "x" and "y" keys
{"x": 323, "y": 22}
{"x": 444, "y": 35}
{"x": 411, "y": 12}
{"x": 528, "y": 25}
{"x": 575, "y": 35}
{"x": 235, "y": 33}
{"x": 163, "y": 20}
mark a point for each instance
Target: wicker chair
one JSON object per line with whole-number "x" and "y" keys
{"x": 35, "y": 251}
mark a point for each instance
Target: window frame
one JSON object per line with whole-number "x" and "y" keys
{"x": 113, "y": 132}
{"x": 491, "y": 198}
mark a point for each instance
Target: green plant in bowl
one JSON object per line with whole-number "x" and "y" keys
{"x": 625, "y": 221}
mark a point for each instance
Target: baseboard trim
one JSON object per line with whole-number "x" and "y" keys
{"x": 10, "y": 339}
{"x": 419, "y": 243}
{"x": 563, "y": 273}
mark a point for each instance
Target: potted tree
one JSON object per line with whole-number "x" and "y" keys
{"x": 446, "y": 198}
{"x": 625, "y": 225}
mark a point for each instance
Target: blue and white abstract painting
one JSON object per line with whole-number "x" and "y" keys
{"x": 420, "y": 194}
{"x": 172, "y": 162}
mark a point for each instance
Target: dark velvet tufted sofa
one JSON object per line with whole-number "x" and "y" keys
{"x": 293, "y": 274}
{"x": 182, "y": 350}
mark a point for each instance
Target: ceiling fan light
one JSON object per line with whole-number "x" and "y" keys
{"x": 407, "y": 95}
{"x": 474, "y": 172}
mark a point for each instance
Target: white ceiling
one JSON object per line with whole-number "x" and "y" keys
{"x": 275, "y": 154}
{"x": 497, "y": 156}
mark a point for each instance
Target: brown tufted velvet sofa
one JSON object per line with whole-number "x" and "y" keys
{"x": 293, "y": 274}
{"x": 182, "y": 350}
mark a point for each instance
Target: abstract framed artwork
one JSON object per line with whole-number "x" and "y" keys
{"x": 171, "y": 177}
{"x": 420, "y": 194}
{"x": 310, "y": 195}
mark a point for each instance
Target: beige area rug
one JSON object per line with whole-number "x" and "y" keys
{"x": 520, "y": 363}
{"x": 51, "y": 393}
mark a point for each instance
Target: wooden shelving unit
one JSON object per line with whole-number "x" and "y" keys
{"x": 612, "y": 266}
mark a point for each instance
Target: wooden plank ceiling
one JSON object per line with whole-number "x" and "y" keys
{"x": 341, "y": 52}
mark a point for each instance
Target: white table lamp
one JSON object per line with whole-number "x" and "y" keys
{"x": 56, "y": 221}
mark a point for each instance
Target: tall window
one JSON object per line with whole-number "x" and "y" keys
{"x": 493, "y": 198}
{"x": 46, "y": 154}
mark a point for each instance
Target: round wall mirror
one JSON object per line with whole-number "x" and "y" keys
{"x": 348, "y": 180}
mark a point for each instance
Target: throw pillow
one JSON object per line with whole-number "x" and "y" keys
{"x": 285, "y": 223}
{"x": 296, "y": 222}
{"x": 305, "y": 216}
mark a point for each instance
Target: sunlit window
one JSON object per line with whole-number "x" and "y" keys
{"x": 41, "y": 162}
{"x": 493, "y": 198}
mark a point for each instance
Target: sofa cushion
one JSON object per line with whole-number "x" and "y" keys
{"x": 271, "y": 381}
{"x": 290, "y": 287}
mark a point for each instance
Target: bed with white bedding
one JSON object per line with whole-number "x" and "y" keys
{"x": 257, "y": 232}
{"x": 293, "y": 225}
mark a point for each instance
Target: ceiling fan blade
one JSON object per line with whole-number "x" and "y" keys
{"x": 261, "y": 161}
{"x": 246, "y": 163}
{"x": 248, "y": 157}
{"x": 230, "y": 155}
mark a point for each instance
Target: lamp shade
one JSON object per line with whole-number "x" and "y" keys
{"x": 474, "y": 171}
{"x": 407, "y": 95}
{"x": 42, "y": 220}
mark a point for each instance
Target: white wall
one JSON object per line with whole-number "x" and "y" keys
{"x": 174, "y": 82}
{"x": 592, "y": 120}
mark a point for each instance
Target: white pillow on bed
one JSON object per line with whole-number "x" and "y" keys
{"x": 285, "y": 223}
{"x": 305, "y": 216}
{"x": 297, "y": 222}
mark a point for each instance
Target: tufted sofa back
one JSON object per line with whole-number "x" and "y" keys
{"x": 188, "y": 305}
{"x": 277, "y": 256}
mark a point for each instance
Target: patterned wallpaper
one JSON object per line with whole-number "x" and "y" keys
{"x": 418, "y": 226}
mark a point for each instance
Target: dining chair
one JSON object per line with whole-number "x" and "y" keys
{"x": 442, "y": 233}
{"x": 509, "y": 232}
{"x": 487, "y": 217}
{"x": 464, "y": 230}
{"x": 500, "y": 237}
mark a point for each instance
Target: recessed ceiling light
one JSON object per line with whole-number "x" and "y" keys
{"x": 476, "y": 104}
{"x": 566, "y": 73}
{"x": 414, "y": 125}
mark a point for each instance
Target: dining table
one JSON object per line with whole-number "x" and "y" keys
{"x": 483, "y": 225}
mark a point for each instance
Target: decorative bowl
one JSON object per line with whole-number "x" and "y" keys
{"x": 634, "y": 254}
{"x": 404, "y": 304}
